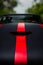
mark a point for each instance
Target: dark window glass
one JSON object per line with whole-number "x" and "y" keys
{"x": 12, "y": 18}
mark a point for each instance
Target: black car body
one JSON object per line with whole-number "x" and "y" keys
{"x": 21, "y": 39}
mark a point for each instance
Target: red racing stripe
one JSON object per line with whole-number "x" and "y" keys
{"x": 20, "y": 50}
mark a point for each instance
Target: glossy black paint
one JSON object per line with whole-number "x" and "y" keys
{"x": 7, "y": 44}
{"x": 34, "y": 44}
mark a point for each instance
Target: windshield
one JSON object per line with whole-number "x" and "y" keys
{"x": 30, "y": 18}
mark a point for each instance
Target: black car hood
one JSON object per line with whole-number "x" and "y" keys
{"x": 34, "y": 43}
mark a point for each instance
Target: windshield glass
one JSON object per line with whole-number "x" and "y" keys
{"x": 30, "y": 18}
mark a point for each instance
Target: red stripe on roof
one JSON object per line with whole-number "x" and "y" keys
{"x": 20, "y": 50}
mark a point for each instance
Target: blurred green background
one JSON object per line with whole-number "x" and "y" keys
{"x": 7, "y": 6}
{"x": 37, "y": 8}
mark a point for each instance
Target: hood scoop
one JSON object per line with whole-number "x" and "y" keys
{"x": 21, "y": 33}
